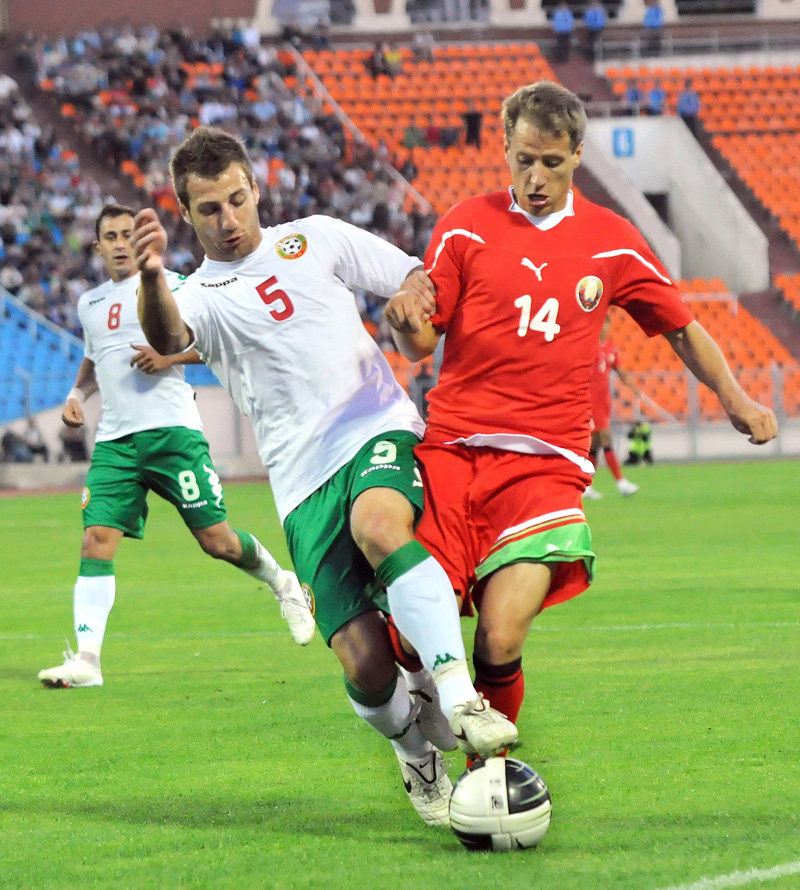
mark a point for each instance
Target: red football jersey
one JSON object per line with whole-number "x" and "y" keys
{"x": 606, "y": 360}
{"x": 523, "y": 306}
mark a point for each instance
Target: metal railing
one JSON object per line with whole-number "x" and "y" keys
{"x": 639, "y": 46}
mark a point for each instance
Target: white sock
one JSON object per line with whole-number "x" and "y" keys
{"x": 393, "y": 721}
{"x": 266, "y": 568}
{"x": 424, "y": 609}
{"x": 93, "y": 600}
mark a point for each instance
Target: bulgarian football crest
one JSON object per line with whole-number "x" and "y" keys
{"x": 589, "y": 292}
{"x": 291, "y": 247}
{"x": 308, "y": 593}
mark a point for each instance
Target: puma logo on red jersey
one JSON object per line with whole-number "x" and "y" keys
{"x": 530, "y": 265}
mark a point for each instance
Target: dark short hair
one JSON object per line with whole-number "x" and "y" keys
{"x": 112, "y": 211}
{"x": 549, "y": 107}
{"x": 207, "y": 152}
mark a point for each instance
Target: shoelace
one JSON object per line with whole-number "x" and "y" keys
{"x": 68, "y": 654}
{"x": 476, "y": 705}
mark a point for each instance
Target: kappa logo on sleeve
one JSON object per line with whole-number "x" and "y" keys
{"x": 589, "y": 292}
{"x": 292, "y": 247}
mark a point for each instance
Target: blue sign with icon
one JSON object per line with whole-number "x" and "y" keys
{"x": 623, "y": 142}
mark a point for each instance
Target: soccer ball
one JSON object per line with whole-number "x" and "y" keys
{"x": 500, "y": 804}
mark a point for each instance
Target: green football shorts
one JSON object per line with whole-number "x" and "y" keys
{"x": 336, "y": 577}
{"x": 174, "y": 462}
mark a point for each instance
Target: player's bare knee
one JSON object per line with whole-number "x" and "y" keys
{"x": 218, "y": 545}
{"x": 381, "y": 522}
{"x": 364, "y": 651}
{"x": 498, "y": 644}
{"x": 99, "y": 542}
{"x": 378, "y": 535}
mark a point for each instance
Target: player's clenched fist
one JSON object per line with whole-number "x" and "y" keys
{"x": 412, "y": 304}
{"x": 149, "y": 242}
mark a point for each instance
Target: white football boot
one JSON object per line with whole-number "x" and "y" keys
{"x": 428, "y": 787}
{"x": 482, "y": 731}
{"x": 75, "y": 672}
{"x": 430, "y": 719}
{"x": 294, "y": 608}
{"x": 626, "y": 488}
{"x": 592, "y": 494}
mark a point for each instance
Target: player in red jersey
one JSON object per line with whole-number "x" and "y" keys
{"x": 606, "y": 361}
{"x": 524, "y": 280}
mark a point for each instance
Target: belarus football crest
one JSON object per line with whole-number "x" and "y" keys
{"x": 589, "y": 292}
{"x": 291, "y": 247}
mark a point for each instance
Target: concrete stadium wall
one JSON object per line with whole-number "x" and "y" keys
{"x": 235, "y": 455}
{"x": 718, "y": 236}
{"x": 58, "y": 17}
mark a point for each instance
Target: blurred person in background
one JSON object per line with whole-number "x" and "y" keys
{"x": 607, "y": 360}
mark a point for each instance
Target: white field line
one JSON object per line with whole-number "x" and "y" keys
{"x": 742, "y": 878}
{"x": 211, "y": 635}
{"x": 611, "y": 628}
{"x": 678, "y": 625}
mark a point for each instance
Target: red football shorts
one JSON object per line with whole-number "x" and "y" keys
{"x": 478, "y": 499}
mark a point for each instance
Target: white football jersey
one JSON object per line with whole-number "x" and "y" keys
{"x": 281, "y": 330}
{"x": 132, "y": 400}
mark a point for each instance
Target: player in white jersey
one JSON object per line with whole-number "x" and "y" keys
{"x": 149, "y": 438}
{"x": 273, "y": 314}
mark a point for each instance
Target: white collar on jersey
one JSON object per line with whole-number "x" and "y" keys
{"x": 543, "y": 222}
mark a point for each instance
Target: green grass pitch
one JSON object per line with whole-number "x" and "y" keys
{"x": 662, "y": 709}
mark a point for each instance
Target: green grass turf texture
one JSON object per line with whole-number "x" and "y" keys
{"x": 661, "y": 709}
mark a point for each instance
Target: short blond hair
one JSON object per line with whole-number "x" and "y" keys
{"x": 550, "y": 107}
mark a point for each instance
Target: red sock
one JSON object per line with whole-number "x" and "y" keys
{"x": 613, "y": 463}
{"x": 502, "y": 684}
{"x": 410, "y": 662}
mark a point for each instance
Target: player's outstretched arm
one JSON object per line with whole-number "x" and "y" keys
{"x": 85, "y": 386}
{"x": 698, "y": 350}
{"x": 158, "y": 312}
{"x": 148, "y": 360}
{"x": 408, "y": 313}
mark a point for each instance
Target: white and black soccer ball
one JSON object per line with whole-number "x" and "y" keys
{"x": 500, "y": 804}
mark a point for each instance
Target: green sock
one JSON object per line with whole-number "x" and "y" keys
{"x": 249, "y": 550}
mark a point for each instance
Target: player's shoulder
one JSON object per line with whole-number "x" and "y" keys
{"x": 604, "y": 221}
{"x": 317, "y": 222}
{"x": 477, "y": 208}
{"x": 291, "y": 240}
{"x": 94, "y": 293}
{"x": 107, "y": 288}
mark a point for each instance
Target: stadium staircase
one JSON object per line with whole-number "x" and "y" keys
{"x": 48, "y": 114}
{"x": 761, "y": 341}
{"x": 749, "y": 127}
{"x": 40, "y": 361}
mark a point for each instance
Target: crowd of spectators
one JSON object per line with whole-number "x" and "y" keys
{"x": 133, "y": 94}
{"x": 47, "y": 211}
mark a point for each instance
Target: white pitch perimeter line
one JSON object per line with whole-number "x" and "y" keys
{"x": 687, "y": 625}
{"x": 219, "y": 635}
{"x": 612, "y": 628}
{"x": 742, "y": 878}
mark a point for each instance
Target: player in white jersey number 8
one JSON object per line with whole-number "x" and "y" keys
{"x": 149, "y": 437}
